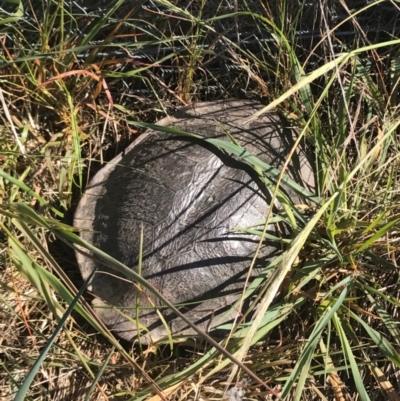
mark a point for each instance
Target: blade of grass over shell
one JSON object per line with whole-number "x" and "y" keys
{"x": 160, "y": 315}
{"x": 238, "y": 151}
{"x": 140, "y": 259}
{"x": 270, "y": 322}
{"x": 284, "y": 201}
{"x": 277, "y": 277}
{"x": 273, "y": 288}
{"x": 63, "y": 287}
{"x": 42, "y": 279}
{"x": 72, "y": 239}
{"x": 277, "y": 314}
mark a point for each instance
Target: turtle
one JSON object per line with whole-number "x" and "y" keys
{"x": 187, "y": 197}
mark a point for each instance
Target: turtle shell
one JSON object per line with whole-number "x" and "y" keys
{"x": 188, "y": 197}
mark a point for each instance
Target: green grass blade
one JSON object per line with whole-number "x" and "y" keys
{"x": 302, "y": 366}
{"x": 99, "y": 374}
{"x": 350, "y": 356}
{"x": 72, "y": 239}
{"x": 391, "y": 324}
{"x": 19, "y": 12}
{"x": 23, "y": 390}
{"x": 238, "y": 151}
{"x": 382, "y": 342}
{"x": 379, "y": 234}
{"x": 276, "y": 279}
{"x": 29, "y": 191}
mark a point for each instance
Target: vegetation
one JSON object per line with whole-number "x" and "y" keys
{"x": 75, "y": 80}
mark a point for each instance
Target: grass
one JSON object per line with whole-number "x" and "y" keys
{"x": 75, "y": 82}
